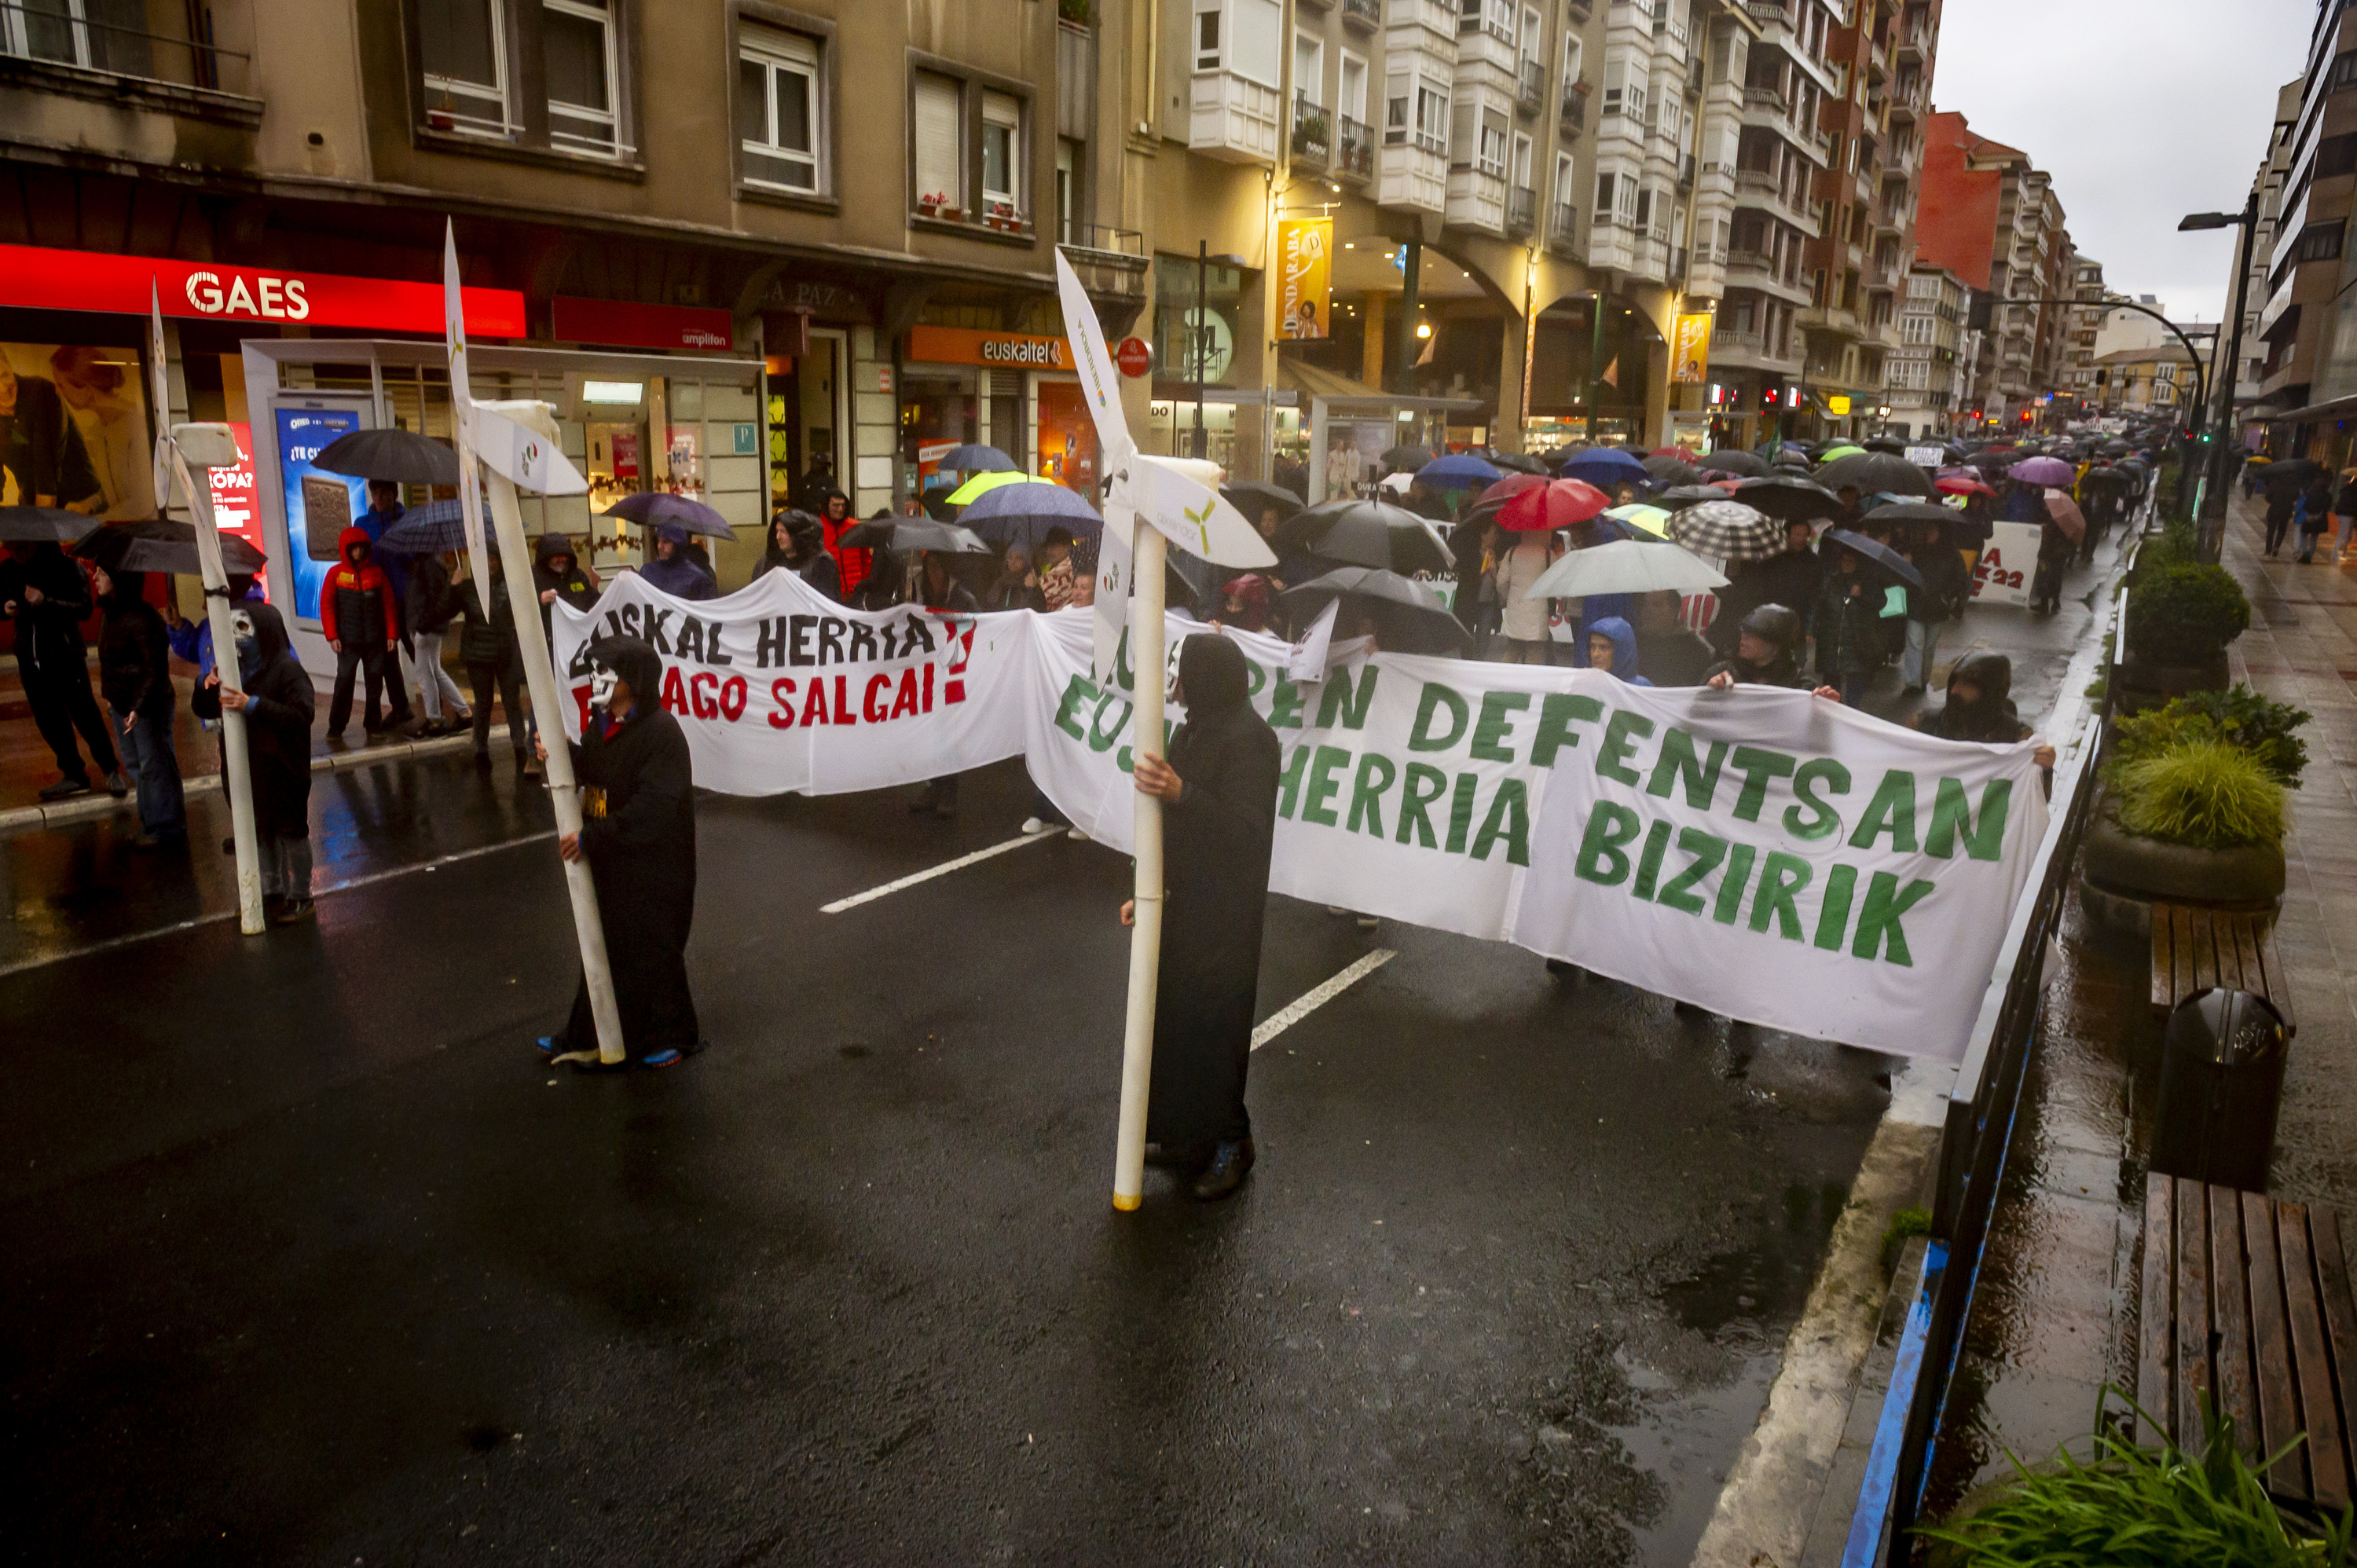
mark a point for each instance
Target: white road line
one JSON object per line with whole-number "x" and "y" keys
{"x": 345, "y": 887}
{"x": 1309, "y": 1001}
{"x": 960, "y": 864}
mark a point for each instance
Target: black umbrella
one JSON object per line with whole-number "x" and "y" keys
{"x": 1366, "y": 533}
{"x": 2291, "y": 471}
{"x": 42, "y": 525}
{"x": 399, "y": 457}
{"x": 906, "y": 533}
{"x": 661, "y": 509}
{"x": 1410, "y": 616}
{"x": 1251, "y": 497}
{"x": 1912, "y": 511}
{"x": 1407, "y": 459}
{"x": 974, "y": 459}
{"x": 1678, "y": 496}
{"x": 1881, "y": 554}
{"x": 1873, "y": 472}
{"x": 1734, "y": 460}
{"x": 1519, "y": 463}
{"x": 1672, "y": 471}
{"x": 1788, "y": 498}
{"x": 1890, "y": 444}
{"x": 427, "y": 529}
{"x": 160, "y": 545}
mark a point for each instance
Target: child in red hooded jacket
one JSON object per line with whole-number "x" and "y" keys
{"x": 358, "y": 613}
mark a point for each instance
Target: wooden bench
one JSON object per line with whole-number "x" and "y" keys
{"x": 2194, "y": 949}
{"x": 2248, "y": 1299}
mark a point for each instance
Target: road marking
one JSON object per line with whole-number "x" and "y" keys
{"x": 1309, "y": 1001}
{"x": 943, "y": 869}
{"x": 346, "y": 885}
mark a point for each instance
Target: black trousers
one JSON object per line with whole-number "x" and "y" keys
{"x": 486, "y": 679}
{"x": 355, "y": 659}
{"x": 2277, "y": 532}
{"x": 59, "y": 692}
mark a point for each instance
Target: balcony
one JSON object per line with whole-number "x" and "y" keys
{"x": 1431, "y": 16}
{"x": 1415, "y": 175}
{"x": 1687, "y": 171}
{"x": 61, "y": 51}
{"x": 1354, "y": 149}
{"x": 1522, "y": 209}
{"x": 1531, "y": 94}
{"x": 1575, "y": 106}
{"x": 1232, "y": 118}
{"x": 1769, "y": 97}
{"x": 1912, "y": 39}
{"x": 1312, "y": 132}
{"x": 1677, "y": 272}
{"x": 1366, "y": 14}
{"x": 1477, "y": 200}
{"x": 1705, "y": 273}
{"x": 1768, "y": 12}
{"x": 1563, "y": 227}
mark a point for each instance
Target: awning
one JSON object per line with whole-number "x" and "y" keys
{"x": 2314, "y": 413}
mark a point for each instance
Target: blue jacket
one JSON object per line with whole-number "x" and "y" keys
{"x": 193, "y": 640}
{"x": 681, "y": 578}
{"x": 392, "y": 562}
{"x": 1624, "y": 648}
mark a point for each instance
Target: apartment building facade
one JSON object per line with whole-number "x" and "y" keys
{"x": 1924, "y": 376}
{"x": 2300, "y": 296}
{"x": 1992, "y": 218}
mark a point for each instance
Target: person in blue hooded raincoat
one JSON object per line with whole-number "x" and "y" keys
{"x": 673, "y": 570}
{"x": 1612, "y": 647}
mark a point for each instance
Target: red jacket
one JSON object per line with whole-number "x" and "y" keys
{"x": 356, "y": 594}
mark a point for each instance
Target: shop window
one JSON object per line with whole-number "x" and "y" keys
{"x": 1002, "y": 153}
{"x": 940, "y": 142}
{"x": 779, "y": 122}
{"x": 577, "y": 53}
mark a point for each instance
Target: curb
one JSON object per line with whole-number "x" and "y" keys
{"x": 84, "y": 808}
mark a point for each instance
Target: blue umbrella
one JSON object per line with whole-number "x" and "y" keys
{"x": 655, "y": 508}
{"x": 973, "y": 459}
{"x": 1607, "y": 467}
{"x": 1459, "y": 470}
{"x": 1023, "y": 513}
{"x": 426, "y": 530}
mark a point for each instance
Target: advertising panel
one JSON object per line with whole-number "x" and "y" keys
{"x": 74, "y": 431}
{"x": 318, "y": 505}
{"x": 1304, "y": 249}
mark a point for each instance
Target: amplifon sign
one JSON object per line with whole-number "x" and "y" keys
{"x": 963, "y": 346}
{"x": 35, "y": 279}
{"x": 620, "y": 324}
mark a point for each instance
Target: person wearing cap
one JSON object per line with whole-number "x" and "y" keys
{"x": 1766, "y": 653}
{"x": 673, "y": 570}
{"x": 638, "y": 836}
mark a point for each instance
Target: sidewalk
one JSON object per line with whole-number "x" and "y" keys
{"x": 2056, "y": 1314}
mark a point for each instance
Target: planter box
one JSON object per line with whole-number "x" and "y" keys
{"x": 2123, "y": 875}
{"x": 2143, "y": 686}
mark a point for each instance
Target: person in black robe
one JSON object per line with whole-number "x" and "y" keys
{"x": 637, "y": 833}
{"x": 275, "y": 695}
{"x": 1218, "y": 795}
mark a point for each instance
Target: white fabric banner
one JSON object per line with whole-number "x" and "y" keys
{"x": 2007, "y": 568}
{"x": 1762, "y": 853}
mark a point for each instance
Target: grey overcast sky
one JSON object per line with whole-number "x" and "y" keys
{"x": 2142, "y": 110}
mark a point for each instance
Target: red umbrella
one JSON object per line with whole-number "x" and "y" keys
{"x": 1962, "y": 484}
{"x": 1505, "y": 490}
{"x": 2066, "y": 514}
{"x": 1666, "y": 452}
{"x": 1561, "y": 504}
{"x": 1729, "y": 485}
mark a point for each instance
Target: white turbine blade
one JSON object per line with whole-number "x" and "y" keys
{"x": 160, "y": 390}
{"x": 454, "y": 318}
{"x": 528, "y": 457}
{"x": 1194, "y": 517}
{"x": 1100, "y": 386}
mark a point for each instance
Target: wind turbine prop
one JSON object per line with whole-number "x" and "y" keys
{"x": 517, "y": 442}
{"x": 1170, "y": 497}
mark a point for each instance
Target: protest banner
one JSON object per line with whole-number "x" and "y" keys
{"x": 2007, "y": 567}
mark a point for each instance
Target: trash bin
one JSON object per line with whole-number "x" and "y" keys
{"x": 2222, "y": 1067}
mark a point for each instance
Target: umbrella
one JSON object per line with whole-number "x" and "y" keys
{"x": 1023, "y": 510}
{"x": 1728, "y": 530}
{"x": 661, "y": 509}
{"x": 1677, "y": 496}
{"x": 401, "y": 457}
{"x": 1962, "y": 484}
{"x": 1879, "y": 553}
{"x": 1871, "y": 471}
{"x": 1409, "y": 457}
{"x": 1652, "y": 520}
{"x": 160, "y": 545}
{"x": 1625, "y": 567}
{"x": 1506, "y": 489}
{"x": 426, "y": 530}
{"x": 2117, "y": 478}
{"x": 1605, "y": 466}
{"x": 2066, "y": 513}
{"x": 1367, "y": 533}
{"x": 1395, "y": 483}
{"x": 973, "y": 459}
{"x": 1560, "y": 505}
{"x": 1836, "y": 452}
{"x": 1251, "y": 497}
{"x": 1410, "y": 618}
{"x": 1890, "y": 444}
{"x": 1912, "y": 511}
{"x": 1789, "y": 498}
{"x": 43, "y": 524}
{"x": 1521, "y": 463}
{"x": 2042, "y": 471}
{"x": 1734, "y": 460}
{"x": 1670, "y": 469}
{"x": 1458, "y": 470}
{"x": 2289, "y": 471}
{"x": 904, "y": 533}
{"x": 983, "y": 484}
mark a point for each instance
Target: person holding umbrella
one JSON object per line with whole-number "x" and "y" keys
{"x": 1846, "y": 622}
{"x": 1946, "y": 587}
{"x": 494, "y": 664}
{"x": 673, "y": 571}
{"x": 432, "y": 605}
{"x": 135, "y": 674}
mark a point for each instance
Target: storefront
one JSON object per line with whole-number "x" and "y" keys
{"x": 1347, "y": 437}
{"x": 1014, "y": 391}
{"x": 808, "y": 328}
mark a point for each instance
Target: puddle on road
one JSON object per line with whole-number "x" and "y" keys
{"x": 1765, "y": 1283}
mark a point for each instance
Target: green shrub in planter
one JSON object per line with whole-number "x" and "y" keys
{"x": 2131, "y": 1507}
{"x": 2239, "y": 717}
{"x": 2184, "y": 615}
{"x": 2203, "y": 794}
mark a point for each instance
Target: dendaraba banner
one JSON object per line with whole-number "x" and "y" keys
{"x": 1764, "y": 854}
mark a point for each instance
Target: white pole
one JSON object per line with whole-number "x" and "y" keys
{"x": 236, "y": 767}
{"x": 1147, "y": 660}
{"x": 547, "y": 699}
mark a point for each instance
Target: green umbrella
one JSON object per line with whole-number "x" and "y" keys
{"x": 965, "y": 493}
{"x": 1829, "y": 454}
{"x": 1653, "y": 520}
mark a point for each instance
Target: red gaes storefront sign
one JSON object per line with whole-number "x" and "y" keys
{"x": 38, "y": 279}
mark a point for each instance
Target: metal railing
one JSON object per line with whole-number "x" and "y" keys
{"x": 1312, "y": 131}
{"x": 1575, "y": 104}
{"x": 1533, "y": 82}
{"x": 1522, "y": 209}
{"x": 1355, "y": 147}
{"x": 1103, "y": 238}
{"x": 50, "y": 34}
{"x": 1368, "y": 11}
{"x": 1563, "y": 226}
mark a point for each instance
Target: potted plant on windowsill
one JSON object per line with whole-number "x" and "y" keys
{"x": 939, "y": 205}
{"x": 2181, "y": 616}
{"x": 1002, "y": 216}
{"x": 441, "y": 116}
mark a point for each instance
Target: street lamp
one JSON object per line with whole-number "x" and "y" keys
{"x": 2213, "y": 497}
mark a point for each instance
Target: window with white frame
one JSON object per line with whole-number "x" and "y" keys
{"x": 1496, "y": 17}
{"x": 1915, "y": 330}
{"x": 1534, "y": 33}
{"x": 1519, "y": 171}
{"x": 779, "y": 123}
{"x": 1574, "y": 56}
{"x": 1246, "y": 36}
{"x": 1208, "y": 52}
{"x": 1565, "y": 173}
{"x": 1068, "y": 189}
{"x": 1002, "y": 153}
{"x": 463, "y": 49}
{"x": 576, "y": 40}
{"x": 1350, "y": 99}
{"x": 1490, "y": 155}
{"x": 1309, "y": 68}
{"x": 938, "y": 146}
{"x": 1607, "y": 187}
{"x": 97, "y": 34}
{"x": 1416, "y": 113}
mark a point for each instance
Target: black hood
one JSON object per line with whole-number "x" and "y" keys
{"x": 638, "y": 664}
{"x": 269, "y": 635}
{"x": 129, "y": 589}
{"x": 547, "y": 547}
{"x": 1211, "y": 674}
{"x": 1992, "y": 672}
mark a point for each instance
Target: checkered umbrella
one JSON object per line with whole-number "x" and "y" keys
{"x": 1728, "y": 529}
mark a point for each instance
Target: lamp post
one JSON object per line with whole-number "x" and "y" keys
{"x": 2212, "y": 522}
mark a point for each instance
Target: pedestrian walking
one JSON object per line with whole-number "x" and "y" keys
{"x": 1218, "y": 790}
{"x": 1522, "y": 623}
{"x": 43, "y": 592}
{"x": 135, "y": 675}
{"x": 638, "y": 836}
{"x": 494, "y": 664}
{"x": 941, "y": 593}
{"x": 673, "y": 570}
{"x": 2344, "y": 514}
{"x": 1946, "y": 587}
{"x": 2282, "y": 501}
{"x": 2056, "y": 550}
{"x": 433, "y": 604}
{"x": 361, "y": 623}
{"x": 2313, "y": 516}
{"x": 384, "y": 510}
{"x": 273, "y": 691}
{"x": 1846, "y": 622}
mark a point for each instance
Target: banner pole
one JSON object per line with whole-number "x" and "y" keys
{"x": 237, "y": 768}
{"x": 1147, "y": 660}
{"x": 547, "y": 697}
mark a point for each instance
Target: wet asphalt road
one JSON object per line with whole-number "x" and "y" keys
{"x": 311, "y": 1261}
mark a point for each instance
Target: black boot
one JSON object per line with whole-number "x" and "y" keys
{"x": 1230, "y": 1163}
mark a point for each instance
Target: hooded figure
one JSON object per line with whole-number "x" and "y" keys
{"x": 362, "y": 621}
{"x": 555, "y": 574}
{"x": 673, "y": 570}
{"x": 1980, "y": 703}
{"x": 638, "y": 835}
{"x": 45, "y": 593}
{"x": 1621, "y": 638}
{"x": 803, "y": 552}
{"x": 1767, "y": 651}
{"x": 1244, "y": 602}
{"x": 1216, "y": 841}
{"x": 278, "y": 704}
